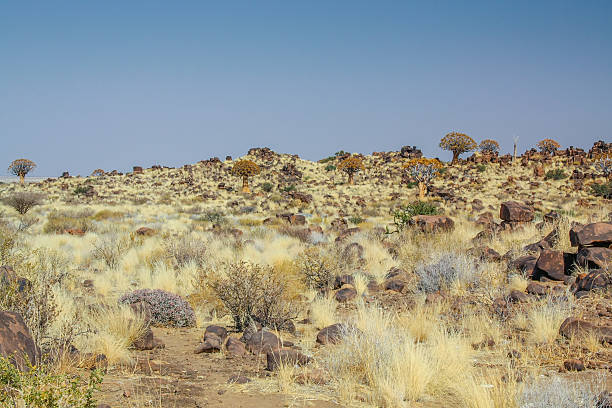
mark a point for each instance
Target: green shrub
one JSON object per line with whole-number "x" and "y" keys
{"x": 602, "y": 189}
{"x": 38, "y": 387}
{"x": 289, "y": 188}
{"x": 355, "y": 219}
{"x": 327, "y": 159}
{"x": 83, "y": 190}
{"x": 212, "y": 216}
{"x": 481, "y": 168}
{"x": 267, "y": 187}
{"x": 402, "y": 216}
{"x": 555, "y": 174}
{"x": 330, "y": 167}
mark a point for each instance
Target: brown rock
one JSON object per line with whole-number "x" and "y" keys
{"x": 573, "y": 365}
{"x": 535, "y": 288}
{"x": 594, "y": 257}
{"x": 275, "y": 358}
{"x": 513, "y": 211}
{"x": 16, "y": 342}
{"x": 235, "y": 347}
{"x": 598, "y": 233}
{"x": 332, "y": 334}
{"x": 596, "y": 279}
{"x": 262, "y": 341}
{"x": 145, "y": 231}
{"x": 345, "y": 295}
{"x": 576, "y": 328}
{"x": 552, "y": 264}
{"x": 518, "y": 296}
{"x": 148, "y": 341}
{"x": 433, "y": 223}
{"x": 525, "y": 264}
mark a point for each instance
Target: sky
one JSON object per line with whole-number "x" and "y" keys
{"x": 115, "y": 84}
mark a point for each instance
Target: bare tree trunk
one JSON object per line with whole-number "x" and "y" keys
{"x": 21, "y": 179}
{"x": 351, "y": 179}
{"x": 455, "y": 157}
{"x": 245, "y": 185}
{"x": 422, "y": 190}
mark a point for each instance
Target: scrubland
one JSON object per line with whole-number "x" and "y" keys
{"x": 429, "y": 324}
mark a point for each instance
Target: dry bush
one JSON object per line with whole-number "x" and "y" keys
{"x": 167, "y": 309}
{"x": 561, "y": 393}
{"x": 319, "y": 266}
{"x": 24, "y": 201}
{"x": 60, "y": 221}
{"x": 446, "y": 269}
{"x": 111, "y": 248}
{"x": 187, "y": 249}
{"x": 254, "y": 292}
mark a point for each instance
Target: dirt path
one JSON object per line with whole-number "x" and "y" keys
{"x": 175, "y": 377}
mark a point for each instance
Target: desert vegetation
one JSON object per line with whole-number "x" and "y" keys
{"x": 275, "y": 281}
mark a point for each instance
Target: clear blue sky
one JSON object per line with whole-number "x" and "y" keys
{"x": 112, "y": 84}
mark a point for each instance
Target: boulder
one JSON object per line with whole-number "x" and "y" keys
{"x": 433, "y": 223}
{"x": 518, "y": 296}
{"x": 262, "y": 341}
{"x": 513, "y": 211}
{"x": 235, "y": 347}
{"x": 16, "y": 342}
{"x": 332, "y": 334}
{"x": 276, "y": 358}
{"x": 594, "y": 257}
{"x": 573, "y": 365}
{"x": 214, "y": 337}
{"x": 148, "y": 341}
{"x": 579, "y": 329}
{"x": 145, "y": 231}
{"x": 551, "y": 264}
{"x": 525, "y": 264}
{"x": 598, "y": 234}
{"x": 596, "y": 279}
{"x": 345, "y": 295}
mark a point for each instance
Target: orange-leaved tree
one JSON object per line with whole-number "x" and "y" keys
{"x": 457, "y": 143}
{"x": 489, "y": 146}
{"x": 245, "y": 169}
{"x": 423, "y": 170}
{"x": 350, "y": 166}
{"x": 21, "y": 167}
{"x": 548, "y": 146}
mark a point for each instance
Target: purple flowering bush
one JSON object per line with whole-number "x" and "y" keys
{"x": 167, "y": 309}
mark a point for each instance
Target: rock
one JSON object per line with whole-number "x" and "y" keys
{"x": 575, "y": 328}
{"x": 598, "y": 234}
{"x": 345, "y": 295}
{"x": 433, "y": 223}
{"x": 596, "y": 279}
{"x": 344, "y": 280}
{"x": 148, "y": 341}
{"x": 75, "y": 231}
{"x": 214, "y": 337}
{"x": 535, "y": 288}
{"x": 297, "y": 219}
{"x": 552, "y": 264}
{"x": 395, "y": 284}
{"x": 16, "y": 342}
{"x": 235, "y": 347}
{"x": 525, "y": 264}
{"x": 518, "y": 296}
{"x": 573, "y": 365}
{"x": 275, "y": 358}
{"x": 262, "y": 342}
{"x": 332, "y": 334}
{"x": 594, "y": 257}
{"x": 513, "y": 211}
{"x": 485, "y": 253}
{"x": 238, "y": 379}
{"x": 145, "y": 232}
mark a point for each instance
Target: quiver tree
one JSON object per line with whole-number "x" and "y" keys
{"x": 489, "y": 146}
{"x": 423, "y": 170}
{"x": 457, "y": 143}
{"x": 97, "y": 173}
{"x": 548, "y": 146}
{"x": 350, "y": 166}
{"x": 604, "y": 164}
{"x": 245, "y": 169}
{"x": 21, "y": 167}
